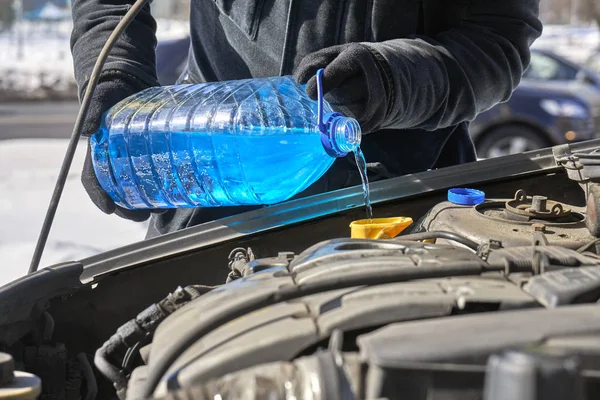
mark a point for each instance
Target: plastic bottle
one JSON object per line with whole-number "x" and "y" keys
{"x": 247, "y": 142}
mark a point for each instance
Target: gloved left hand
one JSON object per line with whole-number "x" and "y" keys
{"x": 357, "y": 82}
{"x": 108, "y": 92}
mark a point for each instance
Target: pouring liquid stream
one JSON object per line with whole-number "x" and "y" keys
{"x": 362, "y": 169}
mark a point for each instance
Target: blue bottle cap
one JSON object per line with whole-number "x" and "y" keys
{"x": 466, "y": 197}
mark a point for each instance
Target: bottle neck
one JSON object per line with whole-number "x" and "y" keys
{"x": 342, "y": 136}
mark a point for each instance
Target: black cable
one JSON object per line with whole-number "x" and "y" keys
{"x": 455, "y": 237}
{"x": 138, "y": 331}
{"x": 81, "y": 116}
{"x": 132, "y": 352}
{"x": 165, "y": 360}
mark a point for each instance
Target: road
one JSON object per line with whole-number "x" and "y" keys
{"x": 37, "y": 120}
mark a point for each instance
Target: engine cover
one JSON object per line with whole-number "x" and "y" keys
{"x": 283, "y": 331}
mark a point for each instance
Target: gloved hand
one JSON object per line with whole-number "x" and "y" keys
{"x": 108, "y": 93}
{"x": 357, "y": 82}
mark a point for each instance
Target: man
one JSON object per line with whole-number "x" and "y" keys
{"x": 413, "y": 72}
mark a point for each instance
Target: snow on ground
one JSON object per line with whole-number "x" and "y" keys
{"x": 28, "y": 172}
{"x": 35, "y": 58}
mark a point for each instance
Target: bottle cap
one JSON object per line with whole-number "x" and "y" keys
{"x": 339, "y": 134}
{"x": 466, "y": 197}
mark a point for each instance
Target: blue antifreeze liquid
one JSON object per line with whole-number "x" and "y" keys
{"x": 248, "y": 142}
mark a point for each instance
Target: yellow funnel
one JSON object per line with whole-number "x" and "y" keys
{"x": 379, "y": 228}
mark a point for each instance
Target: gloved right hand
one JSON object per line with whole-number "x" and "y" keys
{"x": 356, "y": 82}
{"x": 107, "y": 93}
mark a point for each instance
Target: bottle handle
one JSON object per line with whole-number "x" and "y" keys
{"x": 327, "y": 123}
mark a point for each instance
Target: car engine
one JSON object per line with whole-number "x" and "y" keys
{"x": 357, "y": 318}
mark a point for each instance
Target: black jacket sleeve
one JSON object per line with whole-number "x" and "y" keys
{"x": 131, "y": 61}
{"x": 442, "y": 81}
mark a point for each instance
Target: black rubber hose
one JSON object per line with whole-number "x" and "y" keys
{"x": 90, "y": 378}
{"x": 48, "y": 326}
{"x": 164, "y": 361}
{"x": 137, "y": 331}
{"x": 81, "y": 116}
{"x": 112, "y": 373}
{"x": 455, "y": 237}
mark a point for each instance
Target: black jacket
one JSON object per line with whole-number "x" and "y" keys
{"x": 448, "y": 61}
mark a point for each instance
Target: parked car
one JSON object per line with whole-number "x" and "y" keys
{"x": 551, "y": 106}
{"x": 546, "y": 65}
{"x": 539, "y": 114}
{"x": 593, "y": 61}
{"x": 558, "y": 101}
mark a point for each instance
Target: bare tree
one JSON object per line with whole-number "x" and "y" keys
{"x": 556, "y": 11}
{"x": 7, "y": 15}
{"x": 590, "y": 11}
{"x": 181, "y": 9}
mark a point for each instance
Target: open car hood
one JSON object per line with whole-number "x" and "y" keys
{"x": 303, "y": 211}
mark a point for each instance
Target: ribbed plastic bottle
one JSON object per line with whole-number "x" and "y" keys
{"x": 246, "y": 142}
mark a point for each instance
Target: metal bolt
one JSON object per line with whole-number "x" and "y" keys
{"x": 520, "y": 195}
{"x": 538, "y": 203}
{"x": 539, "y": 227}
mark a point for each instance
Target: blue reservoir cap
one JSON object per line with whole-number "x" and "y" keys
{"x": 466, "y": 197}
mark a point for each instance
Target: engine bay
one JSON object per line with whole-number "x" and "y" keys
{"x": 356, "y": 331}
{"x": 493, "y": 301}
{"x": 385, "y": 354}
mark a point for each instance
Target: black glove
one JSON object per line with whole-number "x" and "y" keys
{"x": 357, "y": 82}
{"x": 108, "y": 93}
